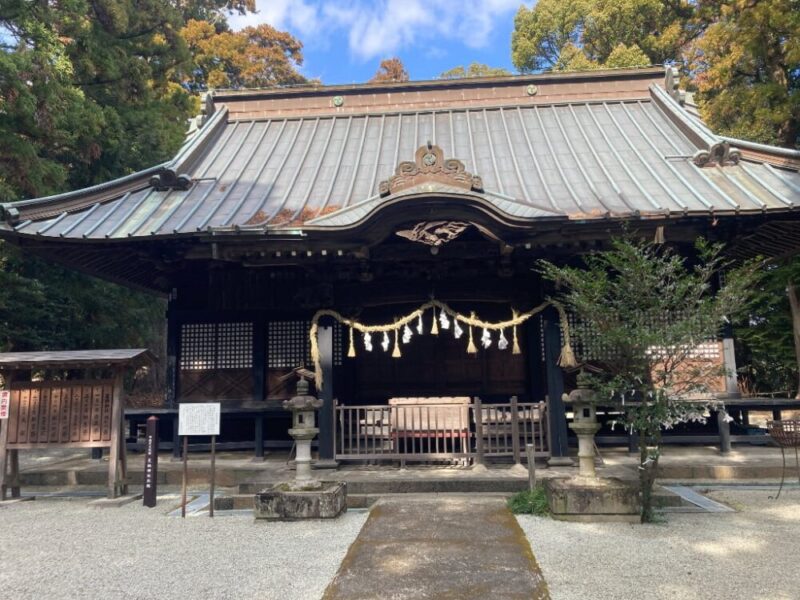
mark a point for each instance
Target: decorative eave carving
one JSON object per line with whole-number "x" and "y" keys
{"x": 168, "y": 179}
{"x": 720, "y": 154}
{"x": 430, "y": 165}
{"x": 434, "y": 233}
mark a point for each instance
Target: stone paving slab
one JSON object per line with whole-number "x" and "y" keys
{"x": 443, "y": 547}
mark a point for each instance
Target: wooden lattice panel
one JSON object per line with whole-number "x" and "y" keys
{"x": 592, "y": 347}
{"x": 288, "y": 344}
{"x": 212, "y": 346}
{"x": 235, "y": 346}
{"x": 61, "y": 413}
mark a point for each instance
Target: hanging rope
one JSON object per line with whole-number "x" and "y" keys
{"x": 567, "y": 358}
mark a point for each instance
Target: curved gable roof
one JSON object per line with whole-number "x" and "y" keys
{"x": 573, "y": 147}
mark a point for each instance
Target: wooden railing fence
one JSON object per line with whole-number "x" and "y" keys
{"x": 432, "y": 431}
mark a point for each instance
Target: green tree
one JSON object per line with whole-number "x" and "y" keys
{"x": 767, "y": 352}
{"x": 741, "y": 56}
{"x": 650, "y": 310}
{"x": 46, "y": 307}
{"x": 474, "y": 69}
{"x": 82, "y": 85}
{"x": 609, "y": 33}
{"x": 746, "y": 67}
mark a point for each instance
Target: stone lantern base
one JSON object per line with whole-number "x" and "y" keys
{"x": 289, "y": 502}
{"x": 593, "y": 499}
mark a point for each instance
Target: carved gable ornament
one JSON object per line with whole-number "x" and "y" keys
{"x": 434, "y": 233}
{"x": 430, "y": 165}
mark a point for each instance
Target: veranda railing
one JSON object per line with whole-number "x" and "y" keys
{"x": 431, "y": 431}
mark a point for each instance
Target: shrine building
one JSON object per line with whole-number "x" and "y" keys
{"x": 368, "y": 202}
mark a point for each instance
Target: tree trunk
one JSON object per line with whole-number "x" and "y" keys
{"x": 794, "y": 303}
{"x": 648, "y": 468}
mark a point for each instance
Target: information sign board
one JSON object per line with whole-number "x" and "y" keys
{"x": 199, "y": 419}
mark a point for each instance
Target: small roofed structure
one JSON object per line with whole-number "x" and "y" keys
{"x": 75, "y": 359}
{"x": 86, "y": 412}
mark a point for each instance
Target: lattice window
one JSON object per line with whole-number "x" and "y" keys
{"x": 592, "y": 347}
{"x": 288, "y": 345}
{"x": 209, "y": 346}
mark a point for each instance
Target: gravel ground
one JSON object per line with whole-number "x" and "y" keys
{"x": 64, "y": 549}
{"x": 748, "y": 554}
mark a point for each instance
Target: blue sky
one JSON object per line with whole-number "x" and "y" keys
{"x": 345, "y": 40}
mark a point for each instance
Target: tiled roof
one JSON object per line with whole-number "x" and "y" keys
{"x": 589, "y": 159}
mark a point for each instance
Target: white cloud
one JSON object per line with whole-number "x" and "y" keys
{"x": 376, "y": 29}
{"x": 297, "y": 16}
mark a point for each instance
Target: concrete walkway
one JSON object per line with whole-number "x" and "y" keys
{"x": 439, "y": 547}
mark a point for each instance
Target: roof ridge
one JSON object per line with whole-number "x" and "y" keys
{"x": 633, "y": 72}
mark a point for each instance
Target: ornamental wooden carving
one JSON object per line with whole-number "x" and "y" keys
{"x": 434, "y": 233}
{"x": 430, "y": 165}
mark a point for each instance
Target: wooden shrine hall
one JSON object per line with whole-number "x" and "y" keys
{"x": 416, "y": 211}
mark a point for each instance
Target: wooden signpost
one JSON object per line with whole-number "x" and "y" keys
{"x": 151, "y": 463}
{"x": 198, "y": 419}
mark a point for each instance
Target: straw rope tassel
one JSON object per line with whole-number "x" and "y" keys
{"x": 471, "y": 348}
{"x": 416, "y": 315}
{"x": 567, "y": 359}
{"x": 396, "y": 352}
{"x": 515, "y": 349}
{"x": 435, "y": 327}
{"x": 351, "y": 351}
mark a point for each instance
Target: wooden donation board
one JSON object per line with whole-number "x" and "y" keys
{"x": 64, "y": 414}
{"x": 72, "y": 413}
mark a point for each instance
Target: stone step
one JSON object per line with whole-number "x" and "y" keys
{"x": 377, "y": 486}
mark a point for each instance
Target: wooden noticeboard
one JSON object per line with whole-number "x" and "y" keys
{"x": 65, "y": 414}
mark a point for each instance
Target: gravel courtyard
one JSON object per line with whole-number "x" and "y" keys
{"x": 59, "y": 548}
{"x": 750, "y": 554}
{"x": 62, "y": 548}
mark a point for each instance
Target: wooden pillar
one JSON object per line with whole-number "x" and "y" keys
{"x": 479, "y": 441}
{"x": 115, "y": 483}
{"x": 176, "y": 439}
{"x": 260, "y": 358}
{"x": 173, "y": 349}
{"x": 260, "y": 374}
{"x": 537, "y": 381}
{"x": 555, "y": 388}
{"x": 515, "y": 431}
{"x": 4, "y": 452}
{"x": 326, "y": 413}
{"x": 259, "y": 437}
{"x": 794, "y": 305}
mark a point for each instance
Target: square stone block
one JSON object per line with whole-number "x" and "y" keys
{"x": 601, "y": 499}
{"x": 281, "y": 503}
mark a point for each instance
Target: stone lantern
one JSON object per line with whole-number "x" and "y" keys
{"x": 303, "y": 408}
{"x": 587, "y": 497}
{"x": 305, "y": 497}
{"x": 584, "y": 424}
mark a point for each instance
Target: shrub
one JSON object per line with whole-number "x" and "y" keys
{"x": 530, "y": 502}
